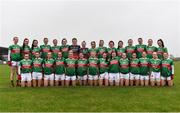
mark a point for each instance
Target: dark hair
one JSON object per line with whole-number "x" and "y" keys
{"x": 93, "y": 42}
{"x": 161, "y": 42}
{"x": 119, "y": 42}
{"x": 45, "y": 38}
{"x": 130, "y": 39}
{"x": 111, "y": 42}
{"x": 139, "y": 38}
{"x": 74, "y": 38}
{"x": 113, "y": 52}
{"x": 24, "y": 43}
{"x": 63, "y": 39}
{"x": 32, "y": 47}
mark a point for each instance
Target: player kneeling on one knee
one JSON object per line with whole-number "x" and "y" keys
{"x": 70, "y": 70}
{"x": 124, "y": 70}
{"x": 167, "y": 70}
{"x": 155, "y": 69}
{"x": 25, "y": 69}
{"x": 37, "y": 70}
{"x": 144, "y": 70}
{"x": 59, "y": 70}
{"x": 114, "y": 69}
{"x": 82, "y": 69}
{"x": 134, "y": 70}
{"x": 48, "y": 70}
{"x": 103, "y": 70}
{"x": 93, "y": 69}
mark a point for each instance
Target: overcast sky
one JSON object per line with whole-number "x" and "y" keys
{"x": 91, "y": 20}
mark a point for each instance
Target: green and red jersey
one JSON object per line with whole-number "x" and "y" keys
{"x": 15, "y": 52}
{"x": 34, "y": 51}
{"x": 103, "y": 65}
{"x": 64, "y": 49}
{"x": 167, "y": 68}
{"x": 45, "y": 49}
{"x": 150, "y": 50}
{"x": 134, "y": 66}
{"x": 114, "y": 65}
{"x": 25, "y": 50}
{"x": 85, "y": 52}
{"x": 93, "y": 66}
{"x": 130, "y": 50}
{"x": 144, "y": 66}
{"x": 82, "y": 67}
{"x": 55, "y": 50}
{"x": 59, "y": 66}
{"x": 155, "y": 65}
{"x": 120, "y": 51}
{"x": 124, "y": 65}
{"x": 37, "y": 64}
{"x": 101, "y": 50}
{"x": 160, "y": 51}
{"x": 109, "y": 51}
{"x": 140, "y": 48}
{"x": 93, "y": 50}
{"x": 25, "y": 66}
{"x": 48, "y": 66}
{"x": 71, "y": 66}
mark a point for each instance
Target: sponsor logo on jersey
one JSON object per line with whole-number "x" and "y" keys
{"x": 65, "y": 49}
{"x": 15, "y": 50}
{"x": 124, "y": 65}
{"x": 60, "y": 63}
{"x": 114, "y": 62}
{"x": 48, "y": 65}
{"x": 140, "y": 49}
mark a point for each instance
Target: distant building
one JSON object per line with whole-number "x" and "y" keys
{"x": 3, "y": 53}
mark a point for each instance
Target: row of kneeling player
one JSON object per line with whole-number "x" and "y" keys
{"x": 93, "y": 71}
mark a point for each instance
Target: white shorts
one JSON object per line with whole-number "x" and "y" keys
{"x": 165, "y": 78}
{"x": 155, "y": 76}
{"x": 70, "y": 78}
{"x": 114, "y": 76}
{"x": 144, "y": 77}
{"x": 124, "y": 76}
{"x": 93, "y": 77}
{"x": 104, "y": 76}
{"x": 85, "y": 77}
{"x": 49, "y": 77}
{"x": 14, "y": 63}
{"x": 60, "y": 77}
{"x": 26, "y": 77}
{"x": 36, "y": 75}
{"x": 134, "y": 76}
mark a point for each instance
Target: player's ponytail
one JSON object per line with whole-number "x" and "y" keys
{"x": 32, "y": 47}
{"x": 161, "y": 42}
{"x": 24, "y": 43}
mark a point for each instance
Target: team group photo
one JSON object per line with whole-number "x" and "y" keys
{"x": 89, "y": 56}
{"x": 64, "y": 65}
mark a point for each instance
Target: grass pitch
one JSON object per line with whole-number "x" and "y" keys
{"x": 83, "y": 99}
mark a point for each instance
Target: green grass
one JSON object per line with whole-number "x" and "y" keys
{"x": 82, "y": 99}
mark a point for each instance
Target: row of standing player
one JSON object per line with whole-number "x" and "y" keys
{"x": 93, "y": 49}
{"x": 64, "y": 48}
